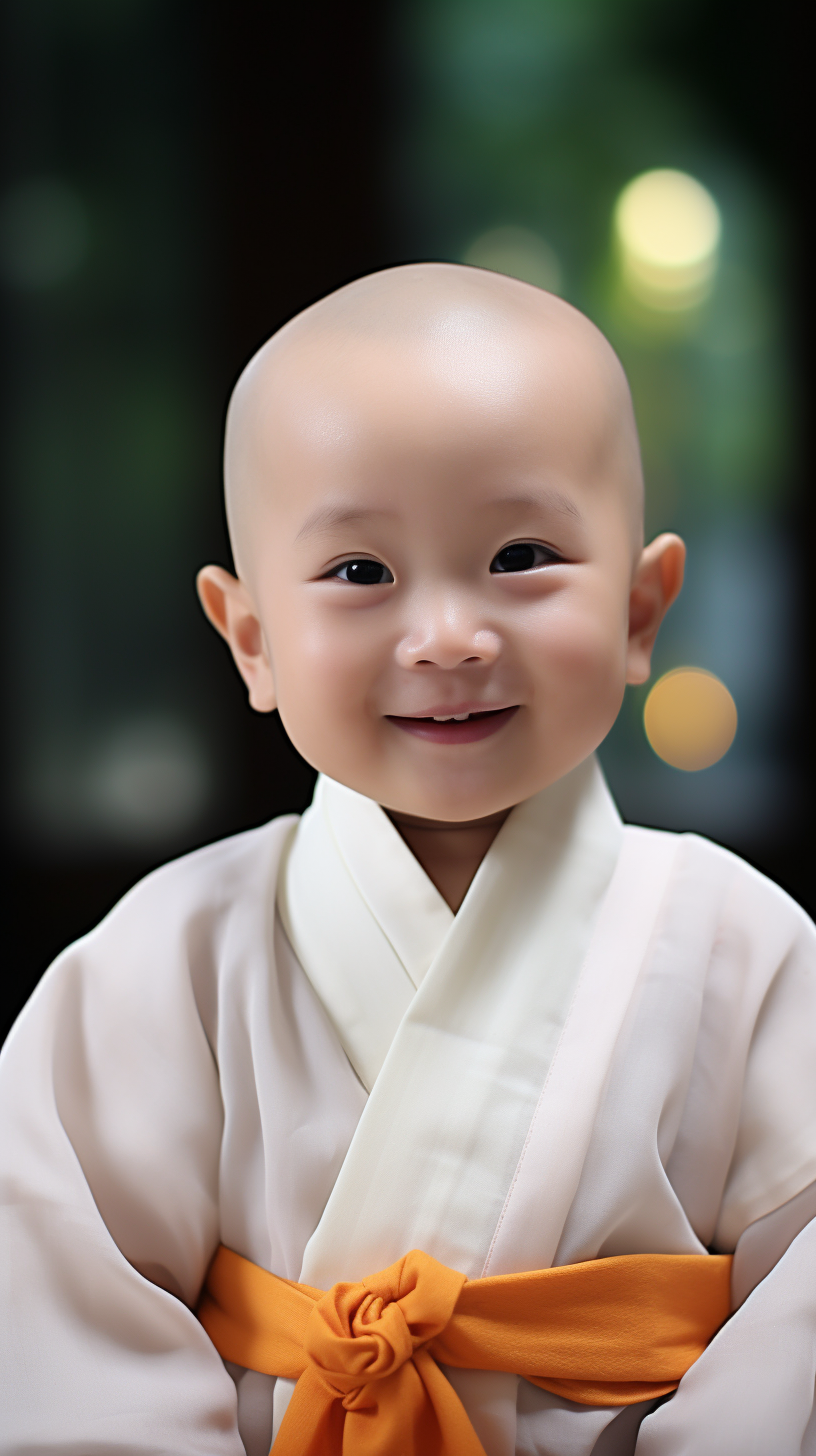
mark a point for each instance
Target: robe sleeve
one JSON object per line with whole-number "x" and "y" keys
{"x": 752, "y": 1392}
{"x": 110, "y": 1130}
{"x": 774, "y": 1155}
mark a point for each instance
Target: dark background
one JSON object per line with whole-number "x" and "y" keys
{"x": 244, "y": 160}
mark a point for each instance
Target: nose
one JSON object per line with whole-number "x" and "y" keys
{"x": 446, "y": 630}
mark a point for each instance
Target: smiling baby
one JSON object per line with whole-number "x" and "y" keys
{"x": 529, "y": 1093}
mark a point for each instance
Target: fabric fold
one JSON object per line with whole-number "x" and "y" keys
{"x": 443, "y": 1129}
{"x": 365, "y": 1354}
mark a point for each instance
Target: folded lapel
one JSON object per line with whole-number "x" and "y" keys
{"x": 549, "y": 1169}
{"x": 443, "y": 1130}
{"x": 363, "y": 918}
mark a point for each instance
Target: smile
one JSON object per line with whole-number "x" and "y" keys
{"x": 459, "y": 728}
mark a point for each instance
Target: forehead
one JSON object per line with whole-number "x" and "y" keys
{"x": 462, "y": 391}
{"x": 428, "y": 414}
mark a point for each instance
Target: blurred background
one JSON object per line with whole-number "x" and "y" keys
{"x": 179, "y": 179}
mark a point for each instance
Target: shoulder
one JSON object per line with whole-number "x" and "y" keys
{"x": 742, "y": 904}
{"x": 174, "y": 935}
{"x": 214, "y": 880}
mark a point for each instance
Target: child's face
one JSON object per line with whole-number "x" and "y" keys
{"x": 432, "y": 541}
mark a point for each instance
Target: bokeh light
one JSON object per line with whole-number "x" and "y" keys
{"x": 667, "y": 227}
{"x": 520, "y": 253}
{"x": 43, "y": 233}
{"x": 149, "y": 779}
{"x": 690, "y": 719}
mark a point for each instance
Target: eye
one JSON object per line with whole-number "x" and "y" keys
{"x": 362, "y": 572}
{"x": 524, "y": 556}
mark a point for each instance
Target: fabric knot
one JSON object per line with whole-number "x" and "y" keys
{"x": 366, "y": 1332}
{"x": 366, "y": 1357}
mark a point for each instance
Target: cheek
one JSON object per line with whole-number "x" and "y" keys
{"x": 581, "y": 647}
{"x": 324, "y": 668}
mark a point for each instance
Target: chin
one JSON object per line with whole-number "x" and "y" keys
{"x": 459, "y": 804}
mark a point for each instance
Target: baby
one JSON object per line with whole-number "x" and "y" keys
{"x": 457, "y": 1007}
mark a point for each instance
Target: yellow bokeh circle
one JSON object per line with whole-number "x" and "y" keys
{"x": 668, "y": 229}
{"x": 690, "y": 718}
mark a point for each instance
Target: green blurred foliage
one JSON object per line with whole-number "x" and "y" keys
{"x": 535, "y": 114}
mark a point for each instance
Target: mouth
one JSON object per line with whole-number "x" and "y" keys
{"x": 459, "y": 727}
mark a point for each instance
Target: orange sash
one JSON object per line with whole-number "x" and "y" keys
{"x": 607, "y": 1332}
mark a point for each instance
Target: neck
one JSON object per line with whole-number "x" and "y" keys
{"x": 450, "y": 854}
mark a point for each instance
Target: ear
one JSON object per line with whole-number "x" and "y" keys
{"x": 656, "y": 582}
{"x": 230, "y": 608}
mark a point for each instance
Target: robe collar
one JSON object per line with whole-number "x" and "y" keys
{"x": 455, "y": 1066}
{"x": 367, "y": 923}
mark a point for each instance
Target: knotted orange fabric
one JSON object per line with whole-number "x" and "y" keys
{"x": 365, "y": 1356}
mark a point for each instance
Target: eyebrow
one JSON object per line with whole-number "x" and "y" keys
{"x": 547, "y": 496}
{"x": 326, "y": 518}
{"x": 329, "y": 517}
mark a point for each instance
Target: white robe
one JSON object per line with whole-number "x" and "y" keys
{"x": 610, "y": 1049}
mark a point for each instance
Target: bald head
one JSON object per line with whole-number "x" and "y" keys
{"x": 434, "y": 496}
{"x": 475, "y": 350}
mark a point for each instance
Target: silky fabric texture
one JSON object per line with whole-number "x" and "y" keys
{"x": 175, "y": 1082}
{"x": 611, "y": 1331}
{"x": 460, "y": 1074}
{"x": 364, "y": 919}
{"x": 450, "y": 1022}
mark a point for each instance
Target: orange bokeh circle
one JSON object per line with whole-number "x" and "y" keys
{"x": 690, "y": 718}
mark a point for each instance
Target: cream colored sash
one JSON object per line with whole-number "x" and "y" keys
{"x": 455, "y": 1067}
